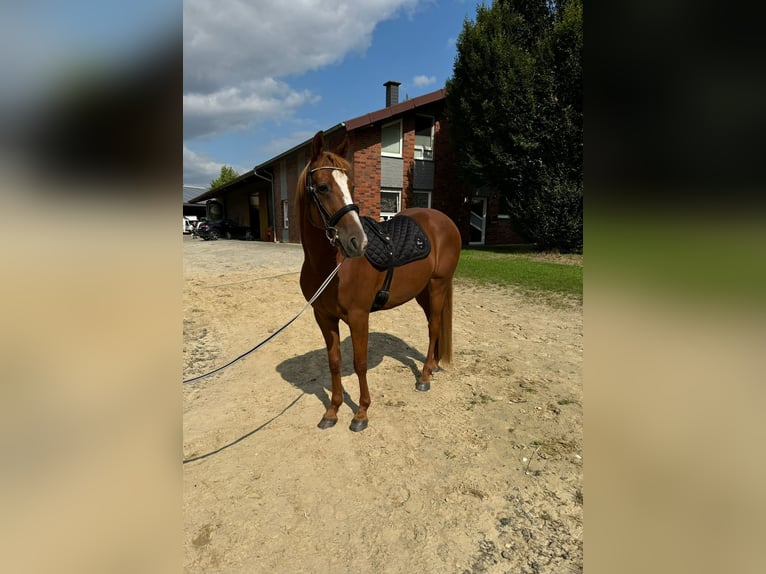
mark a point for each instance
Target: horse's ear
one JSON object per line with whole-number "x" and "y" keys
{"x": 316, "y": 145}
{"x": 342, "y": 148}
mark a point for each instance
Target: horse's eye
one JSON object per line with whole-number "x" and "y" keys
{"x": 323, "y": 188}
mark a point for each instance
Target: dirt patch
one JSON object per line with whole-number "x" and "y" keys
{"x": 556, "y": 257}
{"x": 483, "y": 473}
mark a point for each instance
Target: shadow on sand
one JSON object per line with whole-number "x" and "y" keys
{"x": 311, "y": 374}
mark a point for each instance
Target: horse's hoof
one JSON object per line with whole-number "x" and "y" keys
{"x": 358, "y": 425}
{"x": 326, "y": 423}
{"x": 422, "y": 386}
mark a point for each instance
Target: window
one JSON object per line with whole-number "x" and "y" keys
{"x": 391, "y": 139}
{"x": 503, "y": 207}
{"x": 390, "y": 202}
{"x": 284, "y": 214}
{"x": 424, "y": 137}
{"x": 421, "y": 199}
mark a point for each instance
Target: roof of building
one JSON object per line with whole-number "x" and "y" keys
{"x": 395, "y": 110}
{"x": 216, "y": 192}
{"x": 367, "y": 120}
{"x": 190, "y": 192}
{"x": 193, "y": 195}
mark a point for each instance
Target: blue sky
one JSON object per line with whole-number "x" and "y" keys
{"x": 263, "y": 76}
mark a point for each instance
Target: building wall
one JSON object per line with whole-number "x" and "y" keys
{"x": 265, "y": 212}
{"x": 408, "y": 156}
{"x": 293, "y": 166}
{"x": 499, "y": 230}
{"x": 449, "y": 192}
{"x": 280, "y": 195}
{"x": 278, "y": 175}
{"x": 391, "y": 172}
{"x": 365, "y": 143}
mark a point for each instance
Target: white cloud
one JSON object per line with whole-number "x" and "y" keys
{"x": 280, "y": 144}
{"x": 234, "y": 108}
{"x": 239, "y": 56}
{"x": 421, "y": 81}
{"x": 200, "y": 169}
{"x": 227, "y": 42}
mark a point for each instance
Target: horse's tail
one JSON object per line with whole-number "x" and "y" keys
{"x": 445, "y": 333}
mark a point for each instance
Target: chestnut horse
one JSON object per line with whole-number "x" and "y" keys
{"x": 331, "y": 234}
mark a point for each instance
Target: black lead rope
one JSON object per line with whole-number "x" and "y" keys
{"x": 322, "y": 287}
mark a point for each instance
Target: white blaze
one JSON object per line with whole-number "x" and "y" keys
{"x": 342, "y": 180}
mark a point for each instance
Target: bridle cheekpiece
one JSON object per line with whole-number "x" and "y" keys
{"x": 330, "y": 221}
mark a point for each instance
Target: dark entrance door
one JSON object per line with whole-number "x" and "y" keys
{"x": 478, "y": 220}
{"x": 214, "y": 210}
{"x": 255, "y": 216}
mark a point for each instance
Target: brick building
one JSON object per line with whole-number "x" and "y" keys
{"x": 402, "y": 157}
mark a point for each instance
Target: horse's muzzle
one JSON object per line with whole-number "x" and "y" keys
{"x": 354, "y": 245}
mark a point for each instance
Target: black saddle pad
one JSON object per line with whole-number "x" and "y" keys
{"x": 395, "y": 242}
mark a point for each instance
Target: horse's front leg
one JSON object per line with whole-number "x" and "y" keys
{"x": 331, "y": 333}
{"x": 359, "y": 326}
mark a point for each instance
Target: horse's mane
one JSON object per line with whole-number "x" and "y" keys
{"x": 300, "y": 196}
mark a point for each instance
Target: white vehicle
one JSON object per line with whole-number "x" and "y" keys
{"x": 189, "y": 223}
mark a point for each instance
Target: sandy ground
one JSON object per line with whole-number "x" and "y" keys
{"x": 483, "y": 473}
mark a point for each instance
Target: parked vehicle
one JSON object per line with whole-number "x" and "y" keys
{"x": 189, "y": 223}
{"x": 222, "y": 228}
{"x": 197, "y": 223}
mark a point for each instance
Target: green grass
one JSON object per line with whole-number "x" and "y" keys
{"x": 520, "y": 268}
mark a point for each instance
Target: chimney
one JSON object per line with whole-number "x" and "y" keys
{"x": 392, "y": 93}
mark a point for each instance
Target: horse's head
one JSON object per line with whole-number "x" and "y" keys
{"x": 328, "y": 186}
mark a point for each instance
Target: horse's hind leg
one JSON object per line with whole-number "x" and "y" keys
{"x": 424, "y": 300}
{"x": 432, "y": 301}
{"x": 331, "y": 333}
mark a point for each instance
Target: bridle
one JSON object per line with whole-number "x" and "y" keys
{"x": 330, "y": 221}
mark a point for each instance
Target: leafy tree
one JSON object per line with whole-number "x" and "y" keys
{"x": 227, "y": 174}
{"x": 515, "y": 106}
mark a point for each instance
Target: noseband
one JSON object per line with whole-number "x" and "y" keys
{"x": 330, "y": 221}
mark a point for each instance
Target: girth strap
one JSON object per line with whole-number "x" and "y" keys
{"x": 381, "y": 298}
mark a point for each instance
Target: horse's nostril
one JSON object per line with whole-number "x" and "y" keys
{"x": 354, "y": 243}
